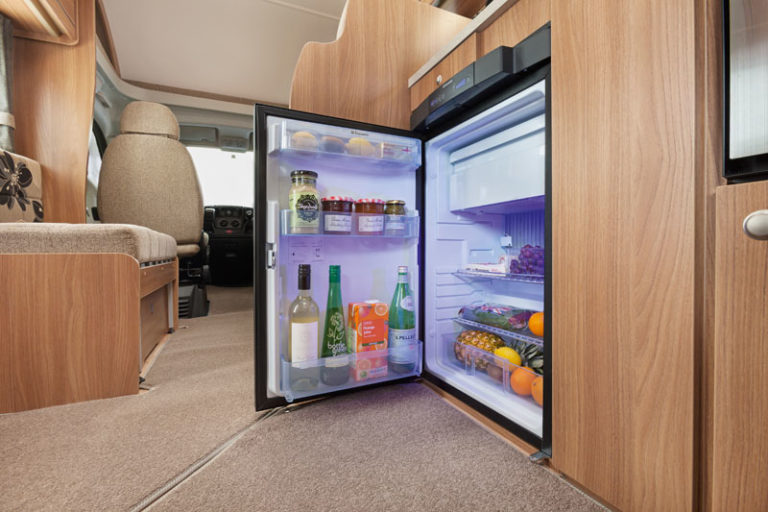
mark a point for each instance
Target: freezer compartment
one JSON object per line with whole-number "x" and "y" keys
{"x": 318, "y": 144}
{"x": 306, "y": 379}
{"x": 392, "y": 226}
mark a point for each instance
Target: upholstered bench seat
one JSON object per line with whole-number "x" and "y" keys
{"x": 143, "y": 244}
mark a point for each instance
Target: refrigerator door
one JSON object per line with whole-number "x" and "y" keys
{"x": 352, "y": 160}
{"x": 487, "y": 254}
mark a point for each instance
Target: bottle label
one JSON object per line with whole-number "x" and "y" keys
{"x": 370, "y": 223}
{"x": 338, "y": 223}
{"x": 400, "y": 345}
{"x": 303, "y": 344}
{"x": 334, "y": 342}
{"x": 306, "y": 210}
{"x": 407, "y": 303}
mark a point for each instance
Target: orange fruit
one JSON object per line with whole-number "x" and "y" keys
{"x": 381, "y": 309}
{"x": 537, "y": 390}
{"x": 536, "y": 324}
{"x": 521, "y": 380}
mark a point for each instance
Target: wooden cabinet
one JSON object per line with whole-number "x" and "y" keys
{"x": 45, "y": 20}
{"x": 363, "y": 75}
{"x": 461, "y": 57}
{"x": 740, "y": 444}
{"x": 623, "y": 233}
{"x": 517, "y": 23}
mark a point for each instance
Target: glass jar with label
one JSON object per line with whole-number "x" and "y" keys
{"x": 369, "y": 214}
{"x": 304, "y": 202}
{"x": 337, "y": 215}
{"x": 394, "y": 218}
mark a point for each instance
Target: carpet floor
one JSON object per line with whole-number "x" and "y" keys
{"x": 398, "y": 447}
{"x": 109, "y": 454}
{"x": 228, "y": 300}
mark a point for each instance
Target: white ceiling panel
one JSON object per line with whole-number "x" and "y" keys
{"x": 244, "y": 48}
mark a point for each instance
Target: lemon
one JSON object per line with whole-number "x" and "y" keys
{"x": 509, "y": 354}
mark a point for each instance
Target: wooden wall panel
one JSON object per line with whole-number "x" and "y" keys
{"x": 70, "y": 328}
{"x": 461, "y": 57}
{"x": 53, "y": 104}
{"x": 624, "y": 191}
{"x": 520, "y": 21}
{"x": 363, "y": 75}
{"x": 740, "y": 444}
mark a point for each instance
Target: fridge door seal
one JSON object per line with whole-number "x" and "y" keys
{"x": 266, "y": 243}
{"x": 543, "y": 443}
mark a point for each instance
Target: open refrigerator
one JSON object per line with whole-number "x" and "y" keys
{"x": 476, "y": 241}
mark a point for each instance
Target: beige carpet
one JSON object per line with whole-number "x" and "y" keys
{"x": 109, "y": 454}
{"x": 228, "y": 300}
{"x": 398, "y": 447}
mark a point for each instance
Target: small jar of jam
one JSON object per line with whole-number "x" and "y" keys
{"x": 369, "y": 217}
{"x": 337, "y": 215}
{"x": 394, "y": 218}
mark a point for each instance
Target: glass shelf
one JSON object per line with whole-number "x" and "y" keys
{"x": 364, "y": 369}
{"x": 520, "y": 278}
{"x": 404, "y": 228}
{"x": 485, "y": 366}
{"x": 524, "y": 337}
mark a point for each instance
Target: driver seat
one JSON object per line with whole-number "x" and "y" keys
{"x": 148, "y": 179}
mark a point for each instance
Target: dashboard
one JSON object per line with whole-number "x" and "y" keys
{"x": 228, "y": 220}
{"x": 230, "y": 229}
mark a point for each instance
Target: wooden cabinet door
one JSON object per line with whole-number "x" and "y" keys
{"x": 740, "y": 440}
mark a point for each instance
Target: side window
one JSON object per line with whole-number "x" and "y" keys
{"x": 96, "y": 146}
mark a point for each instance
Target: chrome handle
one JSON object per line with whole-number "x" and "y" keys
{"x": 756, "y": 225}
{"x": 439, "y": 79}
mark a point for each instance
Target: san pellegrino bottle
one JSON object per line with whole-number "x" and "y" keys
{"x": 335, "y": 372}
{"x": 304, "y": 333}
{"x": 402, "y": 326}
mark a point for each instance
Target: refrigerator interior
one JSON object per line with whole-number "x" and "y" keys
{"x": 387, "y": 170}
{"x": 485, "y": 179}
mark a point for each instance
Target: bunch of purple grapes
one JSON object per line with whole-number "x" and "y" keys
{"x": 530, "y": 261}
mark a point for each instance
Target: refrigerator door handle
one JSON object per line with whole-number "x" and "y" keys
{"x": 271, "y": 246}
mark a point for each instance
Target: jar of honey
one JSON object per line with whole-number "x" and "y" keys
{"x": 369, "y": 215}
{"x": 337, "y": 215}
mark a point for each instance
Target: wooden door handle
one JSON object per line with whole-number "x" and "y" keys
{"x": 756, "y": 225}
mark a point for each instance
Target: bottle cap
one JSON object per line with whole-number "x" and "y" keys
{"x": 303, "y": 173}
{"x": 334, "y": 273}
{"x": 402, "y": 269}
{"x": 305, "y": 272}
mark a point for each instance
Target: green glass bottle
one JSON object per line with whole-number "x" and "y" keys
{"x": 402, "y": 326}
{"x": 335, "y": 372}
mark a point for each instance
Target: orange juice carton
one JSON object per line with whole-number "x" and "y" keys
{"x": 367, "y": 333}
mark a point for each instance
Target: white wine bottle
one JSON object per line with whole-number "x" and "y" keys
{"x": 304, "y": 335}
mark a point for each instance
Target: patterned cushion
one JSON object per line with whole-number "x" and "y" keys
{"x": 21, "y": 189}
{"x": 143, "y": 244}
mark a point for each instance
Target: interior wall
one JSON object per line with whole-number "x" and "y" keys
{"x": 53, "y": 103}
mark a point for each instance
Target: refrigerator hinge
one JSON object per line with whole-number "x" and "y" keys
{"x": 539, "y": 458}
{"x": 271, "y": 255}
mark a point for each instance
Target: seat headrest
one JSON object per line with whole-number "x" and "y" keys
{"x": 150, "y": 119}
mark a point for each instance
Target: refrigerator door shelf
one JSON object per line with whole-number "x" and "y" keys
{"x": 489, "y": 378}
{"x": 305, "y": 144}
{"x": 525, "y": 337}
{"x": 394, "y": 227}
{"x": 365, "y": 368}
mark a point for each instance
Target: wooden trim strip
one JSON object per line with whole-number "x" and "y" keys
{"x": 156, "y": 276}
{"x": 200, "y": 94}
